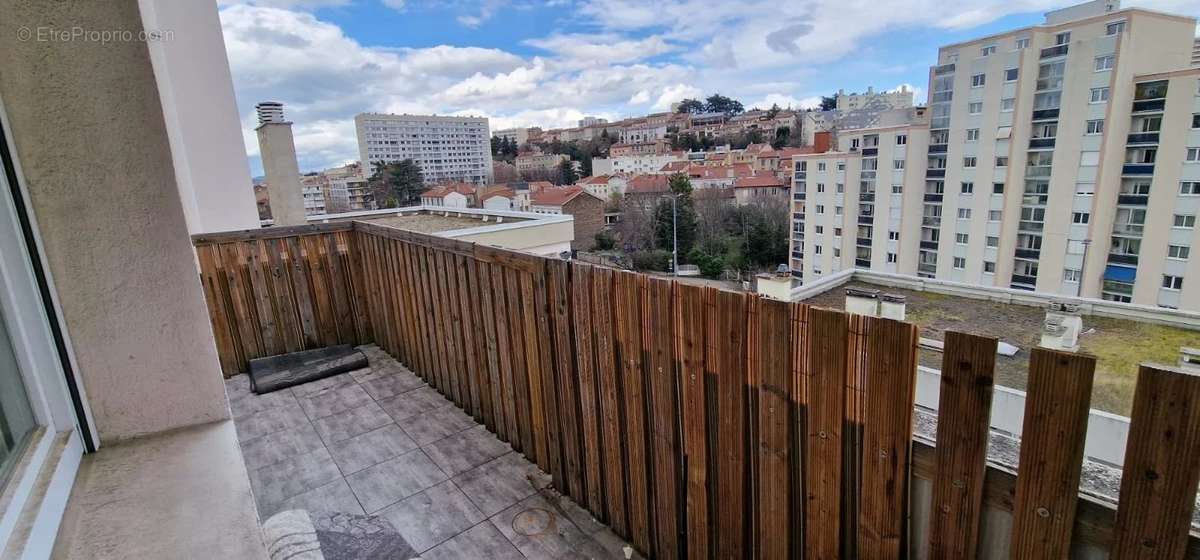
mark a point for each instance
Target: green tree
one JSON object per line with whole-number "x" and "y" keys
{"x": 566, "y": 171}
{"x": 396, "y": 184}
{"x": 828, "y": 102}
{"x": 690, "y": 106}
{"x": 773, "y": 111}
{"x": 717, "y": 103}
{"x": 684, "y": 224}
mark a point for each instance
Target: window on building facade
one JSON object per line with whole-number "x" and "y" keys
{"x": 975, "y": 107}
{"x": 1099, "y": 95}
{"x": 839, "y": 187}
{"x": 964, "y": 213}
{"x": 1007, "y": 104}
{"x": 972, "y": 134}
{"x": 1172, "y": 282}
{"x": 901, "y": 139}
{"x": 1193, "y": 154}
{"x": 993, "y": 241}
{"x": 841, "y": 166}
{"x": 897, "y": 189}
{"x": 994, "y": 215}
{"x": 817, "y": 249}
{"x": 988, "y": 50}
{"x": 1062, "y": 38}
{"x": 837, "y": 232}
{"x": 989, "y": 267}
{"x": 978, "y": 80}
{"x": 960, "y": 263}
{"x": 897, "y": 164}
{"x": 1090, "y": 157}
{"x": 1001, "y": 161}
{"x": 820, "y": 187}
{"x": 1105, "y": 62}
{"x": 1022, "y": 43}
{"x": 1114, "y": 28}
{"x": 1189, "y": 188}
{"x": 1085, "y": 189}
{"x": 1196, "y": 120}
{"x": 820, "y": 166}
{"x": 1186, "y": 221}
{"x": 837, "y": 210}
{"x": 891, "y": 257}
{"x": 1010, "y": 74}
{"x": 1179, "y": 252}
{"x": 997, "y": 188}
{"x": 820, "y": 209}
{"x": 961, "y": 238}
{"x": 1095, "y": 126}
{"x": 818, "y": 229}
{"x": 969, "y": 161}
{"x": 1071, "y": 274}
{"x": 894, "y": 235}
{"x": 967, "y": 187}
{"x": 1080, "y": 217}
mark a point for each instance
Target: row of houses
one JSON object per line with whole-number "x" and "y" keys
{"x": 539, "y": 197}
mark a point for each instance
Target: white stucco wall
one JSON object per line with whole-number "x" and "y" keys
{"x": 196, "y": 92}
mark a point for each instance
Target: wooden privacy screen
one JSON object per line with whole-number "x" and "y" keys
{"x": 704, "y": 423}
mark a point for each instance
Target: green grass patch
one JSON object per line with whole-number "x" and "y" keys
{"x": 1120, "y": 346}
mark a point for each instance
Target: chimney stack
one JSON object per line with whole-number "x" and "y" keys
{"x": 277, "y": 148}
{"x": 862, "y": 302}
{"x": 892, "y": 306}
{"x": 1060, "y": 330}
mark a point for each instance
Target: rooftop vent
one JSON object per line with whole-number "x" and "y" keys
{"x": 1060, "y": 330}
{"x": 862, "y": 302}
{"x": 892, "y": 306}
{"x": 270, "y": 112}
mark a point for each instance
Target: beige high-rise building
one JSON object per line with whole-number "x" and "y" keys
{"x": 448, "y": 149}
{"x": 1062, "y": 158}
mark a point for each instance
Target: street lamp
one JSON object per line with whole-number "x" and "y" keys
{"x": 674, "y": 238}
{"x": 1082, "y": 266}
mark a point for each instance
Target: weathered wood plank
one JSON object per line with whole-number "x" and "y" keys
{"x": 658, "y": 333}
{"x": 726, "y": 365}
{"x": 608, "y": 381}
{"x": 545, "y": 337}
{"x": 890, "y": 377}
{"x": 773, "y": 445}
{"x": 568, "y": 383}
{"x": 520, "y": 375}
{"x": 1052, "y": 437}
{"x": 581, "y": 301}
{"x": 964, "y": 413}
{"x": 537, "y": 446}
{"x": 690, "y": 347}
{"x": 633, "y": 363}
{"x": 827, "y": 369}
{"x": 1162, "y": 466}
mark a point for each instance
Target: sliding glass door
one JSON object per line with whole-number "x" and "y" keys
{"x": 16, "y": 415}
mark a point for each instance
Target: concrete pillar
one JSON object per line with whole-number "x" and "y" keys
{"x": 278, "y": 150}
{"x": 88, "y": 130}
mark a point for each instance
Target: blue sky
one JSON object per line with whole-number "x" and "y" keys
{"x": 548, "y": 63}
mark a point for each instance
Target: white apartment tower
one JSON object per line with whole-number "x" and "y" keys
{"x": 447, "y": 148}
{"x": 1062, "y": 158}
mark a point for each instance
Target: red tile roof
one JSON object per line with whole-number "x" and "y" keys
{"x": 441, "y": 191}
{"x": 675, "y": 166}
{"x": 763, "y": 180}
{"x": 647, "y": 184}
{"x": 556, "y": 196}
{"x": 497, "y": 191}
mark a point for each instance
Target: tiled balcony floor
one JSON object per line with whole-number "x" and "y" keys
{"x": 380, "y": 441}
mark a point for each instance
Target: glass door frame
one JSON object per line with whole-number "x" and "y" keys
{"x": 30, "y": 311}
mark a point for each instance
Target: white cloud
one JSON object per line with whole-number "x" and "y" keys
{"x": 675, "y": 93}
{"x": 587, "y": 50}
{"x": 785, "y": 100}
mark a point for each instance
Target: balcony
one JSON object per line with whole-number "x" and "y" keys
{"x": 1142, "y": 138}
{"x": 1133, "y": 199}
{"x": 1137, "y": 169}
{"x": 943, "y": 69}
{"x": 862, "y": 241}
{"x": 933, "y": 197}
{"x": 1038, "y": 171}
{"x": 862, "y": 263}
{"x": 1024, "y": 281}
{"x": 866, "y": 220}
{"x": 870, "y": 152}
{"x": 930, "y": 245}
{"x": 1123, "y": 258}
{"x": 937, "y": 148}
{"x": 935, "y": 172}
{"x": 1030, "y": 226}
{"x": 1041, "y": 143}
{"x": 927, "y": 268}
{"x": 1053, "y": 52}
{"x": 1126, "y": 229}
{"x": 796, "y": 273}
{"x": 797, "y": 254}
{"x": 1034, "y": 199}
{"x": 1045, "y": 114}
{"x": 1028, "y": 254}
{"x": 933, "y": 221}
{"x": 798, "y": 196}
{"x": 1149, "y": 106}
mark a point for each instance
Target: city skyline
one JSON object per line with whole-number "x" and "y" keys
{"x": 526, "y": 64}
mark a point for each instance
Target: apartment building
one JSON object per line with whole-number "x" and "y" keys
{"x": 635, "y": 163}
{"x": 518, "y": 135}
{"x": 1060, "y": 158}
{"x": 857, "y": 205}
{"x": 899, "y": 98}
{"x": 314, "y": 195}
{"x": 447, "y": 148}
{"x": 539, "y": 162}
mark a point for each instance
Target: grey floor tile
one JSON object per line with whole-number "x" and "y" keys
{"x": 245, "y": 404}
{"x": 270, "y": 421}
{"x": 539, "y": 531}
{"x": 278, "y": 446}
{"x": 388, "y": 386}
{"x": 413, "y": 403}
{"x": 334, "y": 497}
{"x": 371, "y": 448}
{"x": 349, "y": 423}
{"x": 391, "y": 481}
{"x": 428, "y": 518}
{"x": 466, "y": 450}
{"x": 502, "y": 482}
{"x": 480, "y": 541}
{"x": 335, "y": 400}
{"x": 275, "y": 483}
{"x": 313, "y": 387}
{"x": 437, "y": 424}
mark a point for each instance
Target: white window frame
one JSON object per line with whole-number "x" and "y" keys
{"x": 1172, "y": 282}
{"x": 978, "y": 80}
{"x": 1179, "y": 221}
{"x": 1099, "y": 95}
{"x": 959, "y": 260}
{"x": 1094, "y": 127}
{"x": 971, "y": 106}
{"x": 1183, "y": 252}
{"x": 1104, "y": 63}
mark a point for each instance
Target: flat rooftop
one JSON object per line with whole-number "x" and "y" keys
{"x": 435, "y": 223}
{"x": 1119, "y": 345}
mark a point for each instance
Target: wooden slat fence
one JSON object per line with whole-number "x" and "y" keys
{"x": 703, "y": 423}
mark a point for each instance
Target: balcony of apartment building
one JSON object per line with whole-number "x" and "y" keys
{"x": 1150, "y": 97}
{"x": 1043, "y": 135}
{"x": 1134, "y": 192}
{"x": 1144, "y": 130}
{"x": 1029, "y": 247}
{"x": 1024, "y": 275}
{"x": 1139, "y": 161}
